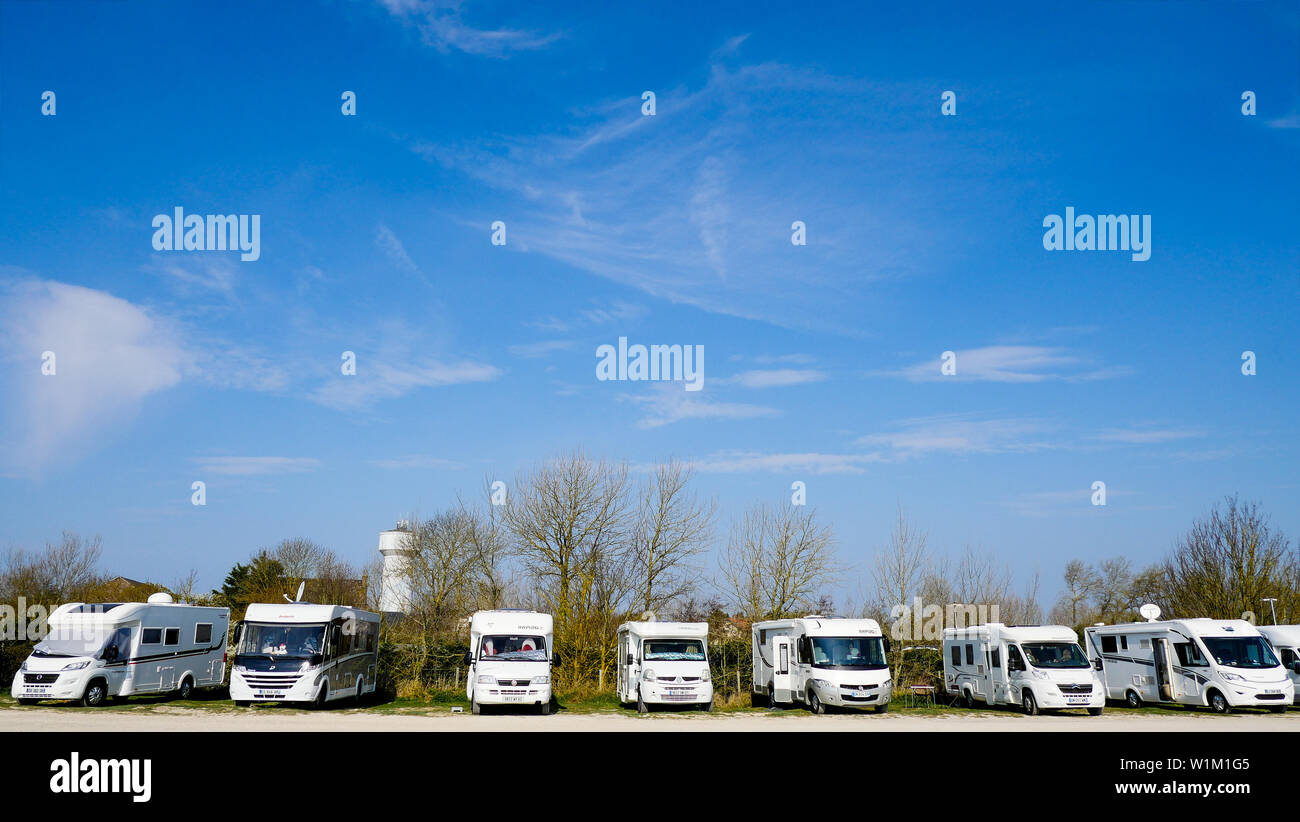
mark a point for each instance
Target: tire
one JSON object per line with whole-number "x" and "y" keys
{"x": 356, "y": 696}
{"x": 318, "y": 703}
{"x": 1219, "y": 703}
{"x": 815, "y": 703}
{"x": 707, "y": 707}
{"x": 546, "y": 708}
{"x": 641, "y": 707}
{"x": 1280, "y": 709}
{"x": 186, "y": 690}
{"x": 757, "y": 700}
{"x": 1028, "y": 704}
{"x": 882, "y": 709}
{"x": 474, "y": 707}
{"x": 771, "y": 696}
{"x": 1132, "y": 700}
{"x": 96, "y": 693}
{"x": 1095, "y": 711}
{"x": 968, "y": 699}
{"x": 242, "y": 703}
{"x": 28, "y": 701}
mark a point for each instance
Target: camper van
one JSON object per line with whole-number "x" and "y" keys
{"x": 1222, "y": 663}
{"x": 510, "y": 659}
{"x": 304, "y": 652}
{"x": 664, "y": 663}
{"x": 1285, "y": 640}
{"x": 1038, "y": 667}
{"x": 821, "y": 662}
{"x": 95, "y": 651}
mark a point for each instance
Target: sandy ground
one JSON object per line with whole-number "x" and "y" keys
{"x": 180, "y": 719}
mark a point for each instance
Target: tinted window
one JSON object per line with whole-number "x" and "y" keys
{"x": 996, "y": 654}
{"x": 173, "y": 636}
{"x": 1108, "y": 645}
{"x": 956, "y": 655}
{"x": 970, "y": 654}
{"x": 203, "y": 633}
{"x": 151, "y": 636}
{"x": 1189, "y": 654}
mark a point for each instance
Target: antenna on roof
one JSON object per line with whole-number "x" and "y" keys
{"x": 648, "y": 616}
{"x": 1151, "y": 611}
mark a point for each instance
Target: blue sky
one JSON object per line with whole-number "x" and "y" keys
{"x": 474, "y": 361}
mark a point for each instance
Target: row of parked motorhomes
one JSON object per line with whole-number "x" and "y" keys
{"x": 1219, "y": 663}
{"x": 300, "y": 652}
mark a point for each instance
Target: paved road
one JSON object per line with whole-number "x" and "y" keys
{"x": 183, "y": 719}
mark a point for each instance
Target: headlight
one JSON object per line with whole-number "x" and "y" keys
{"x": 1231, "y": 677}
{"x": 706, "y": 677}
{"x": 485, "y": 679}
{"x": 1041, "y": 675}
{"x": 648, "y": 675}
{"x": 76, "y": 666}
{"x": 542, "y": 680}
{"x": 238, "y": 668}
{"x": 307, "y": 666}
{"x": 23, "y": 667}
{"x": 825, "y": 683}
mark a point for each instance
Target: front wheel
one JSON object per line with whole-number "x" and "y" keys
{"x": 1280, "y": 709}
{"x": 321, "y": 697}
{"x": 815, "y": 703}
{"x": 474, "y": 707}
{"x": 707, "y": 707}
{"x": 96, "y": 693}
{"x": 28, "y": 701}
{"x": 1132, "y": 699}
{"x": 186, "y": 689}
{"x": 546, "y": 708}
{"x": 1219, "y": 703}
{"x": 880, "y": 709}
{"x": 641, "y": 707}
{"x": 1095, "y": 711}
{"x": 242, "y": 703}
{"x": 1029, "y": 704}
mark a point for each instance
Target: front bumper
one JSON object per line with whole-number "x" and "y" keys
{"x": 1051, "y": 697}
{"x": 676, "y": 693}
{"x": 50, "y": 684}
{"x": 486, "y": 694}
{"x": 855, "y": 696}
{"x": 265, "y": 686}
{"x": 1257, "y": 695}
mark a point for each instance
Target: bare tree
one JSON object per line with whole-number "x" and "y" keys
{"x": 672, "y": 527}
{"x": 777, "y": 560}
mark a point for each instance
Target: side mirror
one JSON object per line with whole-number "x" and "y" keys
{"x": 1096, "y": 664}
{"x": 886, "y": 644}
{"x": 1295, "y": 666}
{"x": 631, "y": 660}
{"x": 469, "y": 659}
{"x": 239, "y": 631}
{"x": 555, "y": 660}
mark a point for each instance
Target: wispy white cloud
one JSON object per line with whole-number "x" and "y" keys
{"x": 197, "y": 272}
{"x": 1147, "y": 436}
{"x": 378, "y": 379}
{"x": 1008, "y": 363}
{"x": 734, "y": 462}
{"x": 959, "y": 434}
{"x": 255, "y": 466}
{"x": 775, "y": 378}
{"x": 392, "y": 247}
{"x": 540, "y": 349}
{"x": 414, "y": 461}
{"x": 109, "y": 356}
{"x": 441, "y": 24}
{"x": 667, "y": 403}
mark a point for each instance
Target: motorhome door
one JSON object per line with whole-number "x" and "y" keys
{"x": 1001, "y": 690}
{"x": 782, "y": 669}
{"x": 1164, "y": 670}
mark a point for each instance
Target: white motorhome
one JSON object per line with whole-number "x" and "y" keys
{"x": 1038, "y": 667}
{"x": 1285, "y": 640}
{"x": 664, "y": 663}
{"x": 510, "y": 659}
{"x": 821, "y": 661}
{"x": 94, "y": 651}
{"x": 1222, "y": 663}
{"x": 304, "y": 652}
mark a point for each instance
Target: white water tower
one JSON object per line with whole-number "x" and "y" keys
{"x": 395, "y": 587}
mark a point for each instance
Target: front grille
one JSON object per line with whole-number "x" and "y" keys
{"x": 1086, "y": 688}
{"x": 849, "y": 698}
{"x": 40, "y": 679}
{"x": 1270, "y": 696}
{"x": 858, "y": 687}
{"x": 514, "y": 682}
{"x": 268, "y": 681}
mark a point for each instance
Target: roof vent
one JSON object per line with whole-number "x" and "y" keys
{"x": 161, "y": 598}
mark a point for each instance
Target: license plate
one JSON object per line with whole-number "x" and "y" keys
{"x": 36, "y": 692}
{"x": 514, "y": 699}
{"x": 859, "y": 694}
{"x": 1078, "y": 700}
{"x": 264, "y": 693}
{"x": 1273, "y": 691}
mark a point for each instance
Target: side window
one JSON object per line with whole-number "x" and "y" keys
{"x": 1015, "y": 662}
{"x": 151, "y": 636}
{"x": 970, "y": 654}
{"x": 956, "y": 654}
{"x": 1189, "y": 654}
{"x": 804, "y": 654}
{"x": 172, "y": 636}
{"x": 203, "y": 633}
{"x": 1108, "y": 645}
{"x": 1288, "y": 657}
{"x": 120, "y": 642}
{"x": 1123, "y": 643}
{"x": 996, "y": 656}
{"x": 783, "y": 664}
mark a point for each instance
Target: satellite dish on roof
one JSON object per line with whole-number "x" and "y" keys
{"x": 648, "y": 616}
{"x": 302, "y": 585}
{"x": 161, "y": 598}
{"x": 1150, "y": 611}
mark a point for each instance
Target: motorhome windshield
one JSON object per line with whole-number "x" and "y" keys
{"x": 672, "y": 650}
{"x": 848, "y": 652}
{"x": 1241, "y": 651}
{"x": 1055, "y": 655}
{"x": 273, "y": 639}
{"x": 517, "y": 648}
{"x": 72, "y": 641}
